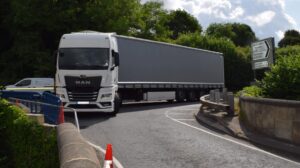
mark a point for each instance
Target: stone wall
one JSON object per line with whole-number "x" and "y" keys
{"x": 273, "y": 117}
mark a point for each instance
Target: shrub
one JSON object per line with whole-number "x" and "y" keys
{"x": 24, "y": 142}
{"x": 283, "y": 81}
{"x": 288, "y": 51}
{"x": 251, "y": 91}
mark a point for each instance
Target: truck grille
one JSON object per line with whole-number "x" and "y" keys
{"x": 83, "y": 88}
{"x": 83, "y": 96}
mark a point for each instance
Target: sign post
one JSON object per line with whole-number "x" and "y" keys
{"x": 262, "y": 54}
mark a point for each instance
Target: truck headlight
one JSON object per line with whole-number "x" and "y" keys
{"x": 108, "y": 95}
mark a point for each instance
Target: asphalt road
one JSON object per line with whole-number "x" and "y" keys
{"x": 166, "y": 135}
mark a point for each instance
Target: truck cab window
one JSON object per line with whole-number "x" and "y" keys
{"x": 83, "y": 58}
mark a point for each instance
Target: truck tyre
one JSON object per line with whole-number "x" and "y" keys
{"x": 117, "y": 104}
{"x": 180, "y": 96}
{"x": 191, "y": 96}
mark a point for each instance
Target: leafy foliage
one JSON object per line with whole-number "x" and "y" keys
{"x": 181, "y": 22}
{"x": 240, "y": 34}
{"x": 24, "y": 143}
{"x": 288, "y": 51}
{"x": 251, "y": 91}
{"x": 291, "y": 37}
{"x": 283, "y": 81}
{"x": 150, "y": 22}
{"x": 32, "y": 29}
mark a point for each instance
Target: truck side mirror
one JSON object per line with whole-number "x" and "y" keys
{"x": 116, "y": 58}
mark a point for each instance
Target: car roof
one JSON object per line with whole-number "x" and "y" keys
{"x": 38, "y": 78}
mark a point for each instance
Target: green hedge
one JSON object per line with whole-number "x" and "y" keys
{"x": 251, "y": 91}
{"x": 281, "y": 82}
{"x": 25, "y": 143}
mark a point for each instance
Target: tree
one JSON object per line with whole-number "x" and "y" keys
{"x": 244, "y": 35}
{"x": 150, "y": 22}
{"x": 240, "y": 34}
{"x": 181, "y": 22}
{"x": 32, "y": 29}
{"x": 220, "y": 31}
{"x": 291, "y": 37}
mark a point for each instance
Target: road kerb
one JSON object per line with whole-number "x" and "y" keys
{"x": 251, "y": 137}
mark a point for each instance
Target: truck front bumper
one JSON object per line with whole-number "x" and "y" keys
{"x": 90, "y": 107}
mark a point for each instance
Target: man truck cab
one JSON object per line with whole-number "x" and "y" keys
{"x": 87, "y": 71}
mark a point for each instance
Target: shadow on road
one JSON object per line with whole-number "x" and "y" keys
{"x": 87, "y": 119}
{"x": 142, "y": 106}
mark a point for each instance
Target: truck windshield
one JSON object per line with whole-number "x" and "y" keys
{"x": 83, "y": 58}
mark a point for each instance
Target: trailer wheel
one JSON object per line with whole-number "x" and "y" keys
{"x": 191, "y": 96}
{"x": 170, "y": 101}
{"x": 180, "y": 96}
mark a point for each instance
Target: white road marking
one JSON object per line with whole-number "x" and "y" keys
{"x": 115, "y": 160}
{"x": 180, "y": 114}
{"x": 185, "y": 119}
{"x": 184, "y": 109}
{"x": 230, "y": 140}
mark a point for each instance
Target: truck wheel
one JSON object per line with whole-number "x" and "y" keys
{"x": 180, "y": 96}
{"x": 191, "y": 96}
{"x": 117, "y": 104}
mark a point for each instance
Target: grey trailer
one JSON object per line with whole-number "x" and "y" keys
{"x": 150, "y": 67}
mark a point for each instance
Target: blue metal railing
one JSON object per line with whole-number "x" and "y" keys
{"x": 42, "y": 105}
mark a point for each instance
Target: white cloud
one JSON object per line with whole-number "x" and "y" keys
{"x": 290, "y": 19}
{"x": 262, "y": 18}
{"x": 280, "y": 34}
{"x": 239, "y": 11}
{"x": 279, "y": 3}
{"x": 218, "y": 8}
{"x": 268, "y": 18}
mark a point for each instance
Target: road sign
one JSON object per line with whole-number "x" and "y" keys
{"x": 262, "y": 53}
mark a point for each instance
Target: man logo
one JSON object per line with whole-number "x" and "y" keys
{"x": 83, "y": 82}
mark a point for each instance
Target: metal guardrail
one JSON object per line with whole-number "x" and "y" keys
{"x": 37, "y": 108}
{"x": 39, "y": 103}
{"x": 219, "y": 100}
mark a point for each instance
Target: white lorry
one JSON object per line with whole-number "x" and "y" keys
{"x": 96, "y": 71}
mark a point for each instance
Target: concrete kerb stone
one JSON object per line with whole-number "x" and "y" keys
{"x": 211, "y": 122}
{"x": 217, "y": 124}
{"x": 74, "y": 151}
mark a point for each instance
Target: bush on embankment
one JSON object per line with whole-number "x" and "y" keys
{"x": 281, "y": 82}
{"x": 25, "y": 143}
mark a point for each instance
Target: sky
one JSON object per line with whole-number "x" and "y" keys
{"x": 267, "y": 18}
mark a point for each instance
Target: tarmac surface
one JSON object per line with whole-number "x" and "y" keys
{"x": 167, "y": 135}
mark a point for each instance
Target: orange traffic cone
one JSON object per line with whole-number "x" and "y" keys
{"x": 17, "y": 102}
{"x": 108, "y": 162}
{"x": 61, "y": 115}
